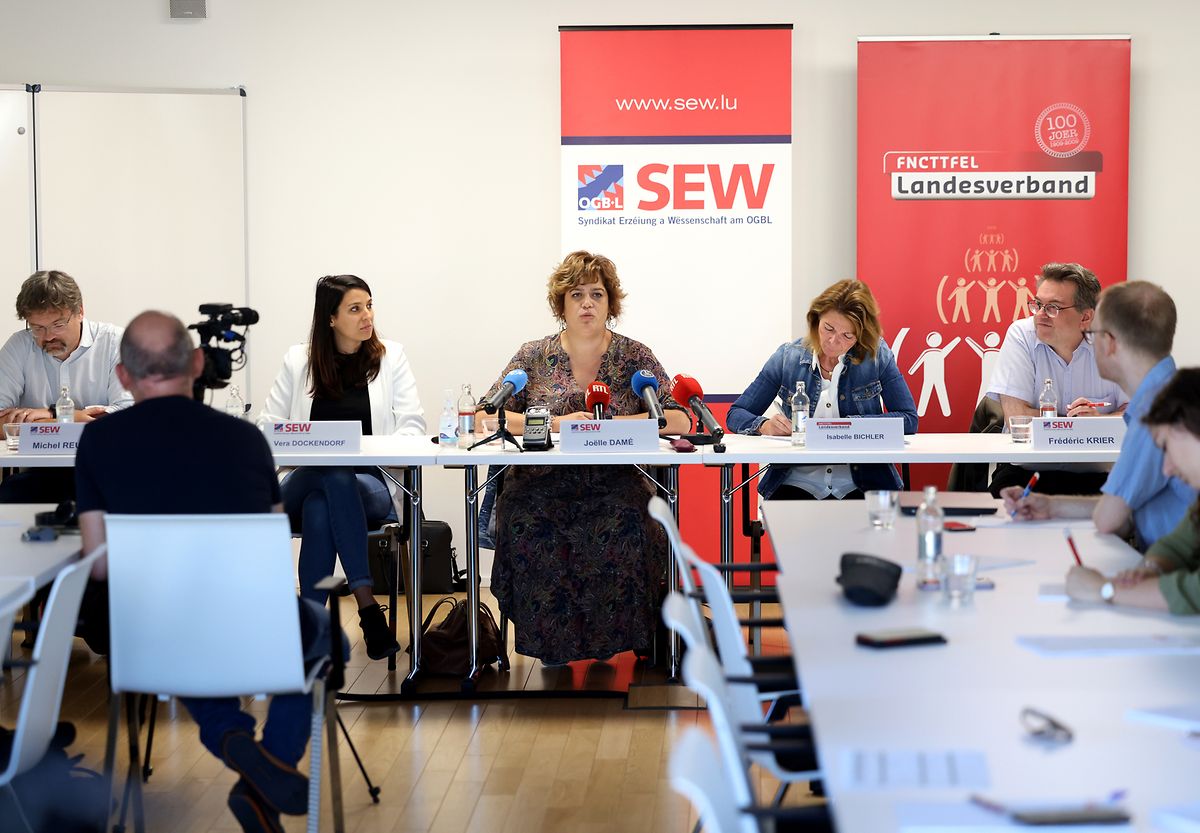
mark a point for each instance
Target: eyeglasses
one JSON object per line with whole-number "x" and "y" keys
{"x": 1094, "y": 333}
{"x": 1043, "y": 727}
{"x": 1035, "y": 306}
{"x": 55, "y": 328}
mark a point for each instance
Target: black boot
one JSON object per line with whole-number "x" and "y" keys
{"x": 380, "y": 641}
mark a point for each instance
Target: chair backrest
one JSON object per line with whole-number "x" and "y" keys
{"x": 14, "y": 592}
{"x": 680, "y": 616}
{"x": 695, "y": 771}
{"x": 42, "y": 695}
{"x": 203, "y": 605}
{"x": 661, "y": 512}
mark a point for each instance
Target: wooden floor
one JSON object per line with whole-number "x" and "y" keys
{"x": 569, "y": 763}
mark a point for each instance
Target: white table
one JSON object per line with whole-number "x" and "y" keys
{"x": 36, "y": 561}
{"x": 969, "y": 692}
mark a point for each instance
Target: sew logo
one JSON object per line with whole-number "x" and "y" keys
{"x": 44, "y": 429}
{"x": 601, "y": 188}
{"x": 578, "y": 427}
{"x": 1058, "y": 424}
{"x": 293, "y": 427}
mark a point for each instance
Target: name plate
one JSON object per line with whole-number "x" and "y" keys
{"x": 883, "y": 433}
{"x": 1058, "y": 433}
{"x": 608, "y": 435}
{"x": 331, "y": 436}
{"x": 50, "y": 437}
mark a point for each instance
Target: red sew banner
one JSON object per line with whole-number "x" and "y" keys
{"x": 979, "y": 161}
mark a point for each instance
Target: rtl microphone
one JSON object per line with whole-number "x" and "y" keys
{"x": 598, "y": 399}
{"x": 514, "y": 383}
{"x": 645, "y": 385}
{"x": 687, "y": 389}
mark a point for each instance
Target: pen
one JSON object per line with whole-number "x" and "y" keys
{"x": 1028, "y": 488}
{"x": 1097, "y": 404}
{"x": 1071, "y": 544}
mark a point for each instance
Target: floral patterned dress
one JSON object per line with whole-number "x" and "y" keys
{"x": 579, "y": 563}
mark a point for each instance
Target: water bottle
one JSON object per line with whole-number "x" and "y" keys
{"x": 1048, "y": 400}
{"x": 235, "y": 406}
{"x": 64, "y": 408}
{"x": 448, "y": 424}
{"x": 466, "y": 418}
{"x": 930, "y": 522}
{"x": 799, "y": 416}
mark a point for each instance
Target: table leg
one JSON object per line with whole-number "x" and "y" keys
{"x": 727, "y": 521}
{"x": 471, "y": 473}
{"x": 672, "y": 484}
{"x": 413, "y": 579}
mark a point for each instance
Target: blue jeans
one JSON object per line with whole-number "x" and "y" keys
{"x": 288, "y": 726}
{"x": 332, "y": 507}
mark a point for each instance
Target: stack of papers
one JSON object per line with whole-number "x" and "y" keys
{"x": 909, "y": 769}
{"x": 1111, "y": 646}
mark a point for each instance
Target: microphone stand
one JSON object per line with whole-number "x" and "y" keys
{"x": 501, "y": 433}
{"x": 700, "y": 438}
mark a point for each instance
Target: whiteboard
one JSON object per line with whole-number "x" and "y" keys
{"x": 141, "y": 198}
{"x": 16, "y": 200}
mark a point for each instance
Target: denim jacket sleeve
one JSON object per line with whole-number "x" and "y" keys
{"x": 746, "y": 414}
{"x": 897, "y": 398}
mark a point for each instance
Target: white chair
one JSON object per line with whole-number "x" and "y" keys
{"x": 42, "y": 696}
{"x": 205, "y": 606}
{"x": 695, "y": 771}
{"x": 736, "y": 712}
{"x": 13, "y": 593}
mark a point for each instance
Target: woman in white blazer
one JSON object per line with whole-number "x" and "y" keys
{"x": 345, "y": 372}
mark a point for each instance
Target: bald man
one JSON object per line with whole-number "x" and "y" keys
{"x": 169, "y": 454}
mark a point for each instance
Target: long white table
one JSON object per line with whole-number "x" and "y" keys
{"x": 35, "y": 561}
{"x": 968, "y": 694}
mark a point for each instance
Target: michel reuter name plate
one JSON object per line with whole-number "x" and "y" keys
{"x": 50, "y": 437}
{"x": 339, "y": 436}
{"x": 1084, "y": 433}
{"x": 608, "y": 435}
{"x": 862, "y": 433}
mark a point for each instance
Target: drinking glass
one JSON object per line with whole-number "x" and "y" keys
{"x": 12, "y": 435}
{"x": 1021, "y": 428}
{"x": 881, "y": 508}
{"x": 958, "y": 579}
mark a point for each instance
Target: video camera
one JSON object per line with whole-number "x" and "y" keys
{"x": 219, "y": 363}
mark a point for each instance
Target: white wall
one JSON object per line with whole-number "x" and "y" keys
{"x": 416, "y": 145}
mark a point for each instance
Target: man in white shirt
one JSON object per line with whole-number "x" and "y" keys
{"x": 1053, "y": 344}
{"x": 58, "y": 348}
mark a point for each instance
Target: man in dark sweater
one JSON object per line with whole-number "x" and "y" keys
{"x": 170, "y": 454}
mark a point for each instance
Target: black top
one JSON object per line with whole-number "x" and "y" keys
{"x": 355, "y": 403}
{"x": 174, "y": 455}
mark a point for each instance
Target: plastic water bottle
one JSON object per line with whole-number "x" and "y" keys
{"x": 799, "y": 416}
{"x": 448, "y": 424}
{"x": 466, "y": 418}
{"x": 930, "y": 523}
{"x": 1048, "y": 400}
{"x": 64, "y": 408}
{"x": 235, "y": 406}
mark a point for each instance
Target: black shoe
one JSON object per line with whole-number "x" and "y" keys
{"x": 280, "y": 787}
{"x": 252, "y": 814}
{"x": 381, "y": 642}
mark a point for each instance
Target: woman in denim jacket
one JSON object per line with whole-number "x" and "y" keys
{"x": 854, "y": 369}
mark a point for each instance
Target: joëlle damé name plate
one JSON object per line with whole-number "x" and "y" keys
{"x": 50, "y": 437}
{"x": 332, "y": 436}
{"x": 1092, "y": 433}
{"x": 882, "y": 433}
{"x": 608, "y": 435}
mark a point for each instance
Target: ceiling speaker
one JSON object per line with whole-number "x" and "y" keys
{"x": 188, "y": 9}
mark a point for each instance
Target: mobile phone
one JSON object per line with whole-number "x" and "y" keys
{"x": 957, "y": 526}
{"x": 899, "y": 638}
{"x": 1083, "y": 814}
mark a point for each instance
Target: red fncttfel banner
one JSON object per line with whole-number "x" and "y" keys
{"x": 978, "y": 161}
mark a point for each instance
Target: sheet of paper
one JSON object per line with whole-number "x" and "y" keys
{"x": 1185, "y": 718}
{"x": 964, "y": 817}
{"x": 908, "y": 769}
{"x": 1111, "y": 646}
{"x": 1001, "y": 519}
{"x": 1182, "y": 818}
{"x": 1053, "y": 592}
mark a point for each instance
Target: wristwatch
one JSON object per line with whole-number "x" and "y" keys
{"x": 1107, "y": 591}
{"x": 53, "y": 409}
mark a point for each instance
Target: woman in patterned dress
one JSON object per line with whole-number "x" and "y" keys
{"x": 578, "y": 562}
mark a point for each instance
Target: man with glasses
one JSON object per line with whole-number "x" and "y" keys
{"x": 1052, "y": 344}
{"x": 57, "y": 347}
{"x": 1132, "y": 332}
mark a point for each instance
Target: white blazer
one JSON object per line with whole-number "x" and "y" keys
{"x": 395, "y": 406}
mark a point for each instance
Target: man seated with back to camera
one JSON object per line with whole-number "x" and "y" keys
{"x": 1052, "y": 343}
{"x": 193, "y": 459}
{"x": 58, "y": 347}
{"x": 1132, "y": 332}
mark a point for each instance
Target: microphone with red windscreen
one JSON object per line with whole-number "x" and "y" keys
{"x": 686, "y": 389}
{"x": 599, "y": 397}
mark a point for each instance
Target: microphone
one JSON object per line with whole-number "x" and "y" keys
{"x": 598, "y": 399}
{"x": 514, "y": 383}
{"x": 687, "y": 389}
{"x": 646, "y": 386}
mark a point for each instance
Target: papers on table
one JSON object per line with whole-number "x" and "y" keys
{"x": 1185, "y": 718}
{"x": 908, "y": 769}
{"x": 964, "y": 817}
{"x": 1053, "y": 592}
{"x": 1182, "y": 818}
{"x": 1111, "y": 646}
{"x": 1002, "y": 519}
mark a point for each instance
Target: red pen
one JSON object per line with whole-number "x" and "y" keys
{"x": 1028, "y": 488}
{"x": 1097, "y": 404}
{"x": 1071, "y": 544}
